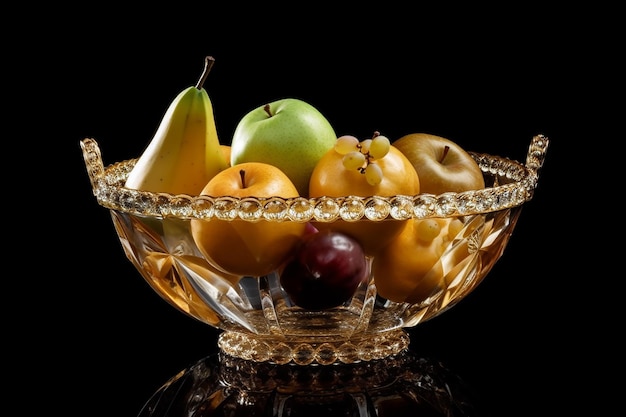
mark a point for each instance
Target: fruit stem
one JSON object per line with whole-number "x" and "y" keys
{"x": 445, "y": 152}
{"x": 267, "y": 110}
{"x": 242, "y": 174}
{"x": 208, "y": 64}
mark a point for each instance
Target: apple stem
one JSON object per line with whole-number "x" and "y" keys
{"x": 242, "y": 174}
{"x": 267, "y": 110}
{"x": 445, "y": 152}
{"x": 208, "y": 64}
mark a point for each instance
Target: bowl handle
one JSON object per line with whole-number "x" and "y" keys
{"x": 93, "y": 162}
{"x": 536, "y": 155}
{"x": 537, "y": 152}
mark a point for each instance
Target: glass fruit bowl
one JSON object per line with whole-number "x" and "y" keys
{"x": 258, "y": 318}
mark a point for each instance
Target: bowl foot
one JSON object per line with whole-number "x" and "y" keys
{"x": 306, "y": 350}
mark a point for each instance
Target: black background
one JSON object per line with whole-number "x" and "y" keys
{"x": 104, "y": 341}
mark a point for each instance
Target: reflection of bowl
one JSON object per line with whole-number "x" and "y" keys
{"x": 400, "y": 385}
{"x": 258, "y": 320}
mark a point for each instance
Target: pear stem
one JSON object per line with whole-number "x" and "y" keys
{"x": 208, "y": 64}
{"x": 445, "y": 152}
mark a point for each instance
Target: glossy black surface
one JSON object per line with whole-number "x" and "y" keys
{"x": 524, "y": 341}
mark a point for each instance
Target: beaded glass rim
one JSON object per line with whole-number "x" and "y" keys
{"x": 514, "y": 184}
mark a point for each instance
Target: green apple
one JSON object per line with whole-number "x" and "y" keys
{"x": 442, "y": 165}
{"x": 289, "y": 133}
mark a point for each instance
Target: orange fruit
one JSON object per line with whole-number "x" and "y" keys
{"x": 330, "y": 178}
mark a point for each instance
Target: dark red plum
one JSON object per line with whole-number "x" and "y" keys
{"x": 325, "y": 271}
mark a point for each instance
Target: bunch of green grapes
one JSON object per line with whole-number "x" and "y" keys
{"x": 362, "y": 155}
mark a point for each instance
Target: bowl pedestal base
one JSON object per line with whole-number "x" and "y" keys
{"x": 306, "y": 350}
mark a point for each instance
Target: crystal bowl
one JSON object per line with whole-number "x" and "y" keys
{"x": 259, "y": 321}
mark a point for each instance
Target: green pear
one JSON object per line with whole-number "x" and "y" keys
{"x": 289, "y": 134}
{"x": 185, "y": 152}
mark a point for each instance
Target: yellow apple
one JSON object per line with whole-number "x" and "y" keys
{"x": 441, "y": 164}
{"x": 409, "y": 269}
{"x": 331, "y": 178}
{"x": 242, "y": 247}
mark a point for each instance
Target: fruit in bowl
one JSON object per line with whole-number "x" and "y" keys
{"x": 185, "y": 151}
{"x": 289, "y": 133}
{"x": 344, "y": 171}
{"x": 332, "y": 276}
{"x": 441, "y": 164}
{"x": 241, "y": 247}
{"x": 412, "y": 267}
{"x": 325, "y": 271}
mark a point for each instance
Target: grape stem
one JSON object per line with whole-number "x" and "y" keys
{"x": 368, "y": 157}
